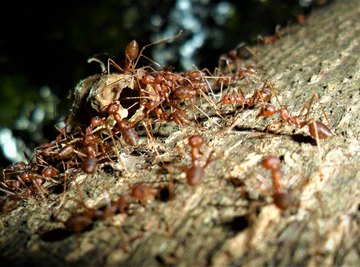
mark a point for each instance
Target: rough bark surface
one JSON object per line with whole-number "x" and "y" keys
{"x": 229, "y": 219}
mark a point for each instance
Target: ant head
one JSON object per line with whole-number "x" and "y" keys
{"x": 49, "y": 171}
{"x": 142, "y": 192}
{"x": 267, "y": 110}
{"x": 196, "y": 140}
{"x": 228, "y": 99}
{"x": 112, "y": 108}
{"x": 283, "y": 200}
{"x": 96, "y": 121}
{"x": 251, "y": 70}
{"x": 271, "y": 163}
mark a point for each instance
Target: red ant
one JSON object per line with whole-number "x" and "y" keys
{"x": 282, "y": 199}
{"x": 195, "y": 172}
{"x": 132, "y": 56}
{"x": 126, "y": 128}
{"x": 270, "y": 39}
{"x": 28, "y": 173}
{"x": 179, "y": 117}
{"x": 80, "y": 221}
{"x": 9, "y": 202}
{"x": 262, "y": 95}
{"x": 142, "y": 192}
{"x": 234, "y": 56}
{"x": 317, "y": 129}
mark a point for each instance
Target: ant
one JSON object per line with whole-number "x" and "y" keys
{"x": 263, "y": 95}
{"x": 27, "y": 173}
{"x": 126, "y": 128}
{"x": 270, "y": 39}
{"x": 80, "y": 221}
{"x": 282, "y": 199}
{"x": 317, "y": 129}
{"x": 179, "y": 117}
{"x": 9, "y": 202}
{"x": 234, "y": 56}
{"x": 195, "y": 172}
{"x": 142, "y": 192}
{"x": 132, "y": 57}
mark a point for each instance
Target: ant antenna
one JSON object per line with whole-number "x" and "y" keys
{"x": 154, "y": 43}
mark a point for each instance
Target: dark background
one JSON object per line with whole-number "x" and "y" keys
{"x": 44, "y": 48}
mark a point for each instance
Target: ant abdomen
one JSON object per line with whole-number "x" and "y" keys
{"x": 130, "y": 136}
{"x": 194, "y": 175}
{"x": 78, "y": 222}
{"x": 49, "y": 171}
{"x": 132, "y": 50}
{"x": 89, "y": 165}
{"x": 320, "y": 130}
{"x": 66, "y": 151}
{"x": 184, "y": 93}
{"x": 283, "y": 200}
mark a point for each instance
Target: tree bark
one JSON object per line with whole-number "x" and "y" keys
{"x": 229, "y": 219}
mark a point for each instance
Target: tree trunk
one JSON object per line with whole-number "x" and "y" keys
{"x": 230, "y": 218}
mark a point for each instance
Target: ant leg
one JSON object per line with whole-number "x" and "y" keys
{"x": 111, "y": 62}
{"x": 115, "y": 146}
{"x": 315, "y": 95}
{"x": 208, "y": 158}
{"x": 156, "y": 42}
{"x": 151, "y": 137}
{"x": 273, "y": 90}
{"x": 271, "y": 125}
{"x": 207, "y": 116}
{"x": 319, "y": 150}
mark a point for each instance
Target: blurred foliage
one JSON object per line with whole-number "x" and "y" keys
{"x": 48, "y": 43}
